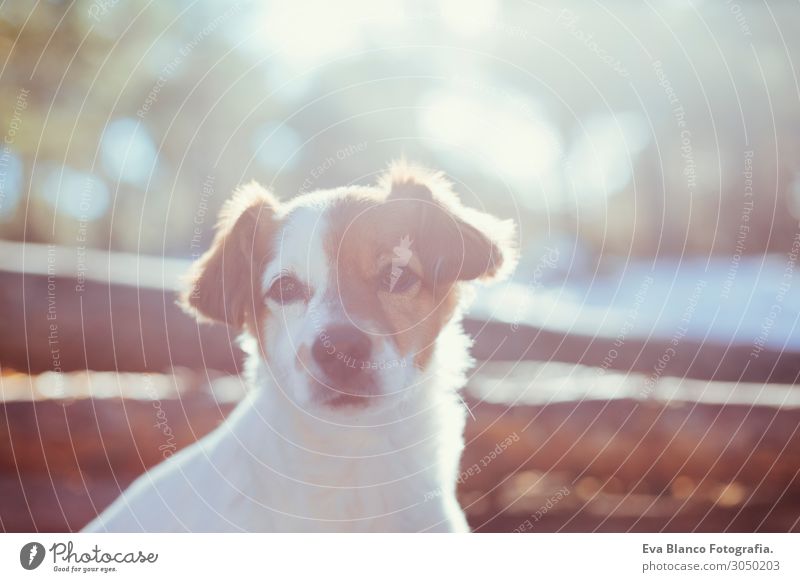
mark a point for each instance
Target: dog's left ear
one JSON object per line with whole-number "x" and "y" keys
{"x": 224, "y": 283}
{"x": 453, "y": 242}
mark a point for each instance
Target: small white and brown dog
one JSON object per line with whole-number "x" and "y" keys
{"x": 349, "y": 302}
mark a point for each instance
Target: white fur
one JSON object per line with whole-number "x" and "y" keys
{"x": 283, "y": 462}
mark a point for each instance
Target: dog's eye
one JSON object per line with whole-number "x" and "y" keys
{"x": 398, "y": 279}
{"x": 287, "y": 289}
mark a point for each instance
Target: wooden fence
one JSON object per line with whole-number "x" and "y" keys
{"x": 716, "y": 448}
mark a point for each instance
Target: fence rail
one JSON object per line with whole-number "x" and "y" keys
{"x": 120, "y": 315}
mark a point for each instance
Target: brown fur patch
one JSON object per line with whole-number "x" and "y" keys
{"x": 224, "y": 284}
{"x": 360, "y": 243}
{"x": 460, "y": 243}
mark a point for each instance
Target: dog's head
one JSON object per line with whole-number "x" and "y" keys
{"x": 346, "y": 291}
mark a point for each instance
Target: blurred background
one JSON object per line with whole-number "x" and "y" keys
{"x": 645, "y": 352}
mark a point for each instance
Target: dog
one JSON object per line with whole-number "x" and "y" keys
{"x": 349, "y": 304}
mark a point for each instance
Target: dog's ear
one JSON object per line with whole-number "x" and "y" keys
{"x": 453, "y": 242}
{"x": 224, "y": 284}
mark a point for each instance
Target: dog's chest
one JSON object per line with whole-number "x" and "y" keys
{"x": 336, "y": 493}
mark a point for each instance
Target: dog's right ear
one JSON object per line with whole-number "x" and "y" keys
{"x": 224, "y": 283}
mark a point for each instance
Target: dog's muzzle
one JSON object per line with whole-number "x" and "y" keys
{"x": 343, "y": 355}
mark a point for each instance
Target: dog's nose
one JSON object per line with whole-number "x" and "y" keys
{"x": 342, "y": 353}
